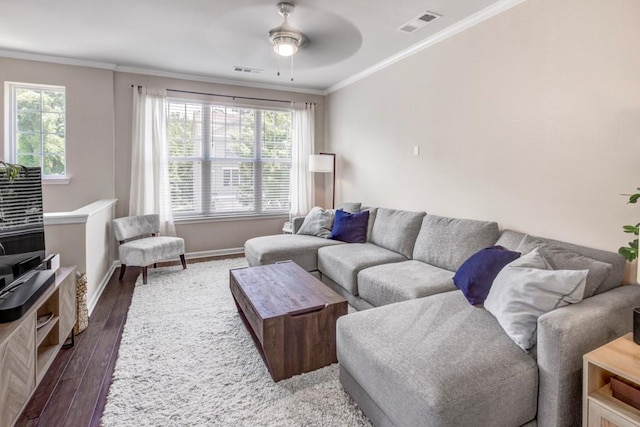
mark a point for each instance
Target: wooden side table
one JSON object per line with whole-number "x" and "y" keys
{"x": 620, "y": 358}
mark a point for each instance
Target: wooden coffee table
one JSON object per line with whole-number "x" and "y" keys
{"x": 291, "y": 316}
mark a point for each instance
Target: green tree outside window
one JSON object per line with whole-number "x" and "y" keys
{"x": 39, "y": 128}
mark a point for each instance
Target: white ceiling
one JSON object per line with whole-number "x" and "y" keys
{"x": 208, "y": 38}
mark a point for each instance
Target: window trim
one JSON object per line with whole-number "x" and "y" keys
{"x": 11, "y": 120}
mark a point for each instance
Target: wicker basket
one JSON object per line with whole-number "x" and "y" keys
{"x": 81, "y": 303}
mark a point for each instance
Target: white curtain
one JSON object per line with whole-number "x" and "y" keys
{"x": 150, "y": 192}
{"x": 303, "y": 145}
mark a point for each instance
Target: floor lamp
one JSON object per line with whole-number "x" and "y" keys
{"x": 325, "y": 163}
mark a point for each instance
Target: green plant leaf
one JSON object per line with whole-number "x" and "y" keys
{"x": 628, "y": 253}
{"x": 631, "y": 252}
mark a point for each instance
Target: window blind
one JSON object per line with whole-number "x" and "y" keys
{"x": 228, "y": 160}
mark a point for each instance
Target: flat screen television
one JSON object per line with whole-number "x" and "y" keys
{"x": 22, "y": 247}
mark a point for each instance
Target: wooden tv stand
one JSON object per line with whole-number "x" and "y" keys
{"x": 26, "y": 352}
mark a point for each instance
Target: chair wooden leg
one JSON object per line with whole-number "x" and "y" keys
{"x": 144, "y": 275}
{"x": 123, "y": 268}
{"x": 183, "y": 261}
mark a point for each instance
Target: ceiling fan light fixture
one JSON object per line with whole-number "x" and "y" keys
{"x": 285, "y": 46}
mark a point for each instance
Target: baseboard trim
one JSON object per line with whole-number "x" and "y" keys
{"x": 215, "y": 252}
{"x": 103, "y": 284}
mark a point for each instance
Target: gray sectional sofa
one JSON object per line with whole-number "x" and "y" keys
{"x": 424, "y": 356}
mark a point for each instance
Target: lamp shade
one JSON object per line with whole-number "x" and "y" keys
{"x": 321, "y": 163}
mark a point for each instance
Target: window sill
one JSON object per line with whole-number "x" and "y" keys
{"x": 198, "y": 220}
{"x": 56, "y": 181}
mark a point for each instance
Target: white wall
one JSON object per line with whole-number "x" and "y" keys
{"x": 84, "y": 238}
{"x": 90, "y": 128}
{"x": 100, "y": 244}
{"x": 531, "y": 118}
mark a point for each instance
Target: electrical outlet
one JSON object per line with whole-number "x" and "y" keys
{"x": 416, "y": 150}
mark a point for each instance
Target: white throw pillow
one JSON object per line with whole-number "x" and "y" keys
{"x": 318, "y": 222}
{"x": 527, "y": 288}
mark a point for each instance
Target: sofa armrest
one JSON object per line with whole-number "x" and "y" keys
{"x": 564, "y": 336}
{"x": 296, "y": 223}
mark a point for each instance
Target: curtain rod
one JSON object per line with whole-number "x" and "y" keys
{"x": 227, "y": 96}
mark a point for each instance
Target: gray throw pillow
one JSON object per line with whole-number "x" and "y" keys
{"x": 563, "y": 259}
{"x": 318, "y": 222}
{"x": 526, "y": 289}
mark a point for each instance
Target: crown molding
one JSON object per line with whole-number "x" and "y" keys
{"x": 465, "y": 24}
{"x": 56, "y": 59}
{"x": 149, "y": 72}
{"x": 217, "y": 80}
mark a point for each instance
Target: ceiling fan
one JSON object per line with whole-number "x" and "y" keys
{"x": 286, "y": 40}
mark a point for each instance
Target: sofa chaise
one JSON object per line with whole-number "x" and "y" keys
{"x": 424, "y": 356}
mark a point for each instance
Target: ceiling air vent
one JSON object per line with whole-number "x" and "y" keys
{"x": 419, "y": 22}
{"x": 247, "y": 70}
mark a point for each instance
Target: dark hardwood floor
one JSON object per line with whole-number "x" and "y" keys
{"x": 74, "y": 390}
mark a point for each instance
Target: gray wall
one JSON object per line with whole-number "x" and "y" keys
{"x": 99, "y": 111}
{"x": 90, "y": 129}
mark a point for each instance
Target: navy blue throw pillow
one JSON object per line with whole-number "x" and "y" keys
{"x": 350, "y": 227}
{"x": 475, "y": 276}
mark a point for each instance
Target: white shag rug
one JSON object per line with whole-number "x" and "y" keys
{"x": 186, "y": 359}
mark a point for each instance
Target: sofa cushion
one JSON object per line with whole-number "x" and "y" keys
{"x": 343, "y": 263}
{"x": 564, "y": 259}
{"x": 396, "y": 230}
{"x": 510, "y": 239}
{"x": 617, "y": 261}
{"x": 475, "y": 276}
{"x": 400, "y": 281}
{"x": 301, "y": 249}
{"x": 438, "y": 361}
{"x": 372, "y": 219}
{"x": 351, "y": 207}
{"x": 149, "y": 250}
{"x": 318, "y": 222}
{"x": 350, "y": 227}
{"x": 526, "y": 289}
{"x": 448, "y": 242}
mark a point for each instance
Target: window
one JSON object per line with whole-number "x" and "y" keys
{"x": 227, "y": 160}
{"x": 36, "y": 127}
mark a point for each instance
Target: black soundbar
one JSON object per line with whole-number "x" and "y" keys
{"x": 17, "y": 297}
